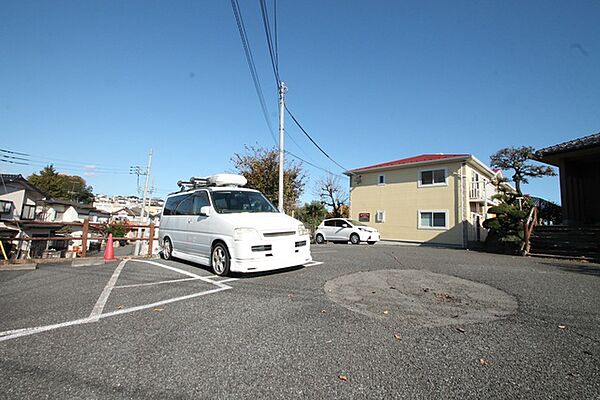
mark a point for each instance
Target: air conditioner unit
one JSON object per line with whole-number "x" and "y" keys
{"x": 380, "y": 216}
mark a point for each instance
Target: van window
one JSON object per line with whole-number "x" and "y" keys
{"x": 200, "y": 200}
{"x": 185, "y": 207}
{"x": 172, "y": 203}
{"x": 236, "y": 201}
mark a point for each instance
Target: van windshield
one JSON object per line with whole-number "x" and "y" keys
{"x": 238, "y": 201}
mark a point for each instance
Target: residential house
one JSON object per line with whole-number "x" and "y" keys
{"x": 125, "y": 215}
{"x": 578, "y": 236}
{"x": 430, "y": 198}
{"x": 578, "y": 161}
{"x": 18, "y": 198}
{"x": 68, "y": 211}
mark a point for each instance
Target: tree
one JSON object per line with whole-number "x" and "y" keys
{"x": 506, "y": 227}
{"x": 516, "y": 159}
{"x": 332, "y": 194}
{"x": 260, "y": 167}
{"x": 60, "y": 186}
{"x": 312, "y": 214}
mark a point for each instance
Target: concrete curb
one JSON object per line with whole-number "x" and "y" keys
{"x": 18, "y": 267}
{"x": 86, "y": 263}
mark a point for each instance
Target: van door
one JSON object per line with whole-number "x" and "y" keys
{"x": 181, "y": 225}
{"x": 168, "y": 221}
{"x": 200, "y": 233}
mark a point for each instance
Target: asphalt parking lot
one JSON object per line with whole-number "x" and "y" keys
{"x": 383, "y": 321}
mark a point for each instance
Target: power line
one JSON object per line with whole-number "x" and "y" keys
{"x": 13, "y": 162}
{"x": 250, "y": 61}
{"x": 312, "y": 164}
{"x": 273, "y": 46}
{"x": 276, "y": 35}
{"x": 13, "y": 152}
{"x": 315, "y": 143}
{"x": 4, "y": 153}
{"x": 270, "y": 45}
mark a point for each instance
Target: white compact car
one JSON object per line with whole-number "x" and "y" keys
{"x": 214, "y": 221}
{"x": 343, "y": 229}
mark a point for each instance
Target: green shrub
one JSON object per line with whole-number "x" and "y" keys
{"x": 117, "y": 230}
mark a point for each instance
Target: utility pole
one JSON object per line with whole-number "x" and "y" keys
{"x": 282, "y": 90}
{"x": 142, "y": 212}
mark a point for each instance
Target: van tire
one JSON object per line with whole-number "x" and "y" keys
{"x": 354, "y": 238}
{"x": 319, "y": 239}
{"x": 167, "y": 252}
{"x": 220, "y": 260}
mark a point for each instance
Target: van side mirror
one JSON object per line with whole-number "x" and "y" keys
{"x": 205, "y": 211}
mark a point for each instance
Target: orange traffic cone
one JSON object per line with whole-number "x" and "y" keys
{"x": 109, "y": 253}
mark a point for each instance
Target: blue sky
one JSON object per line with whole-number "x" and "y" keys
{"x": 98, "y": 83}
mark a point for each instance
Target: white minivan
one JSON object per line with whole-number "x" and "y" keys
{"x": 214, "y": 221}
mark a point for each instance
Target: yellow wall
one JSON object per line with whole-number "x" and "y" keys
{"x": 401, "y": 199}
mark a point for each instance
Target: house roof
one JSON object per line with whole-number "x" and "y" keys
{"x": 129, "y": 211}
{"x": 571, "y": 145}
{"x": 68, "y": 203}
{"x": 420, "y": 159}
{"x": 18, "y": 178}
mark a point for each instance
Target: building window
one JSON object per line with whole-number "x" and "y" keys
{"x": 432, "y": 177}
{"x": 381, "y": 180}
{"x": 28, "y": 212}
{"x": 433, "y": 219}
{"x": 380, "y": 216}
{"x": 5, "y": 206}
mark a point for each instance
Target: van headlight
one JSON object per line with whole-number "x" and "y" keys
{"x": 302, "y": 230}
{"x": 242, "y": 234}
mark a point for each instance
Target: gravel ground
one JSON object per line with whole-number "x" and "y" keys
{"x": 526, "y": 328}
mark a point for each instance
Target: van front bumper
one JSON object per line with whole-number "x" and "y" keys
{"x": 281, "y": 254}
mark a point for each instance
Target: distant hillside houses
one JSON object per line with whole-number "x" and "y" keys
{"x": 114, "y": 204}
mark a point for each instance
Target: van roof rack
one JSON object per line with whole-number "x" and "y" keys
{"x": 196, "y": 182}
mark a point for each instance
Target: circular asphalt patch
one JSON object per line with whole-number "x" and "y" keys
{"x": 420, "y": 298}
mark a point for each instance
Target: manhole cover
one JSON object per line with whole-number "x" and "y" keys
{"x": 420, "y": 297}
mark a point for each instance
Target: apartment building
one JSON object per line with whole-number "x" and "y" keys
{"x": 430, "y": 198}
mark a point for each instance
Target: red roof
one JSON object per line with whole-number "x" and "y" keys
{"x": 414, "y": 160}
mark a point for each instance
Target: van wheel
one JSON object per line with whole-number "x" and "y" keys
{"x": 220, "y": 260}
{"x": 167, "y": 252}
{"x": 319, "y": 239}
{"x": 354, "y": 239}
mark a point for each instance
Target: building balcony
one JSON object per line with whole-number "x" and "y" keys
{"x": 479, "y": 194}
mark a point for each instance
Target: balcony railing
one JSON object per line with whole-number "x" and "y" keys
{"x": 476, "y": 191}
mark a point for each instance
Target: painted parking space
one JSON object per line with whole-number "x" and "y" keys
{"x": 147, "y": 293}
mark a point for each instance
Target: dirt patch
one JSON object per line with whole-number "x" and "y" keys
{"x": 420, "y": 298}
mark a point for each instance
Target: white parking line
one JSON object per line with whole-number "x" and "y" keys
{"x": 313, "y": 263}
{"x": 99, "y": 306}
{"x": 97, "y": 313}
{"x": 155, "y": 283}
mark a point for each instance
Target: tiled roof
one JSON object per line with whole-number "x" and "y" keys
{"x": 572, "y": 145}
{"x": 414, "y": 160}
{"x": 18, "y": 179}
